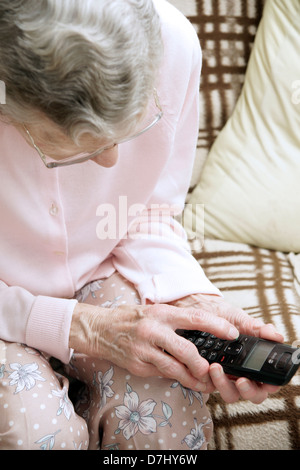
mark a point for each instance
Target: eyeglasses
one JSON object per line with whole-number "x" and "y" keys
{"x": 83, "y": 157}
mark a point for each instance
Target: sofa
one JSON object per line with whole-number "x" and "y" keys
{"x": 242, "y": 213}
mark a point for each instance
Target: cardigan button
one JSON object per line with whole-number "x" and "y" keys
{"x": 54, "y": 210}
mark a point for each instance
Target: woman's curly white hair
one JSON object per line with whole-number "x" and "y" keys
{"x": 88, "y": 65}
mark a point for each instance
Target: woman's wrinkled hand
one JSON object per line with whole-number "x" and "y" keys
{"x": 142, "y": 339}
{"x": 229, "y": 389}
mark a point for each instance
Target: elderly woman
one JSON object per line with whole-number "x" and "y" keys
{"x": 98, "y": 135}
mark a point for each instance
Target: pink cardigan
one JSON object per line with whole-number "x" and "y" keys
{"x": 54, "y": 237}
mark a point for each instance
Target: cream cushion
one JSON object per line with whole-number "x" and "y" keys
{"x": 250, "y": 185}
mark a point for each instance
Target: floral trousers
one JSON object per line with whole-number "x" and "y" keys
{"x": 113, "y": 410}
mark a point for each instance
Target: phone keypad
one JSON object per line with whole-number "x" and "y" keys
{"x": 214, "y": 349}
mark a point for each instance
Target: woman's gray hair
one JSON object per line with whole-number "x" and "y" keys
{"x": 88, "y": 65}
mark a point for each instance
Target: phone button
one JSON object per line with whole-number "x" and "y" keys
{"x": 233, "y": 348}
{"x": 283, "y": 360}
{"x": 199, "y": 341}
{"x": 208, "y": 343}
{"x": 223, "y": 359}
{"x": 212, "y": 356}
{"x": 218, "y": 345}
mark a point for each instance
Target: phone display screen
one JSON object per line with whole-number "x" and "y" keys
{"x": 255, "y": 360}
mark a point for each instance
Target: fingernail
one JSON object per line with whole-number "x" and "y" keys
{"x": 216, "y": 372}
{"x": 233, "y": 333}
{"x": 244, "y": 385}
{"x": 273, "y": 330}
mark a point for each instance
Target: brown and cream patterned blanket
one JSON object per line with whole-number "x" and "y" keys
{"x": 260, "y": 281}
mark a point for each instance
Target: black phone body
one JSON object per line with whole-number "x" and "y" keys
{"x": 255, "y": 358}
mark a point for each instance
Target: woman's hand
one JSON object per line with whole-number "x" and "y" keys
{"x": 231, "y": 390}
{"x": 142, "y": 339}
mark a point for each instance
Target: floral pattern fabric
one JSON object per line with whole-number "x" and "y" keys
{"x": 135, "y": 418}
{"x": 115, "y": 410}
{"x": 36, "y": 412}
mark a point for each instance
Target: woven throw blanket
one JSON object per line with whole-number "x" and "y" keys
{"x": 226, "y": 30}
{"x": 262, "y": 283}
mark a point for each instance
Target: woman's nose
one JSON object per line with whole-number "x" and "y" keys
{"x": 108, "y": 158}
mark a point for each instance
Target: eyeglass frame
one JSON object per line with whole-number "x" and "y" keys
{"x": 73, "y": 161}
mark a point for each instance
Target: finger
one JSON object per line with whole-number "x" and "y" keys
{"x": 223, "y": 384}
{"x": 165, "y": 368}
{"x": 165, "y": 364}
{"x": 269, "y": 332}
{"x": 171, "y": 368}
{"x": 252, "y": 391}
{"x": 255, "y": 326}
{"x": 140, "y": 368}
{"x": 272, "y": 388}
{"x": 187, "y": 353}
{"x": 203, "y": 320}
